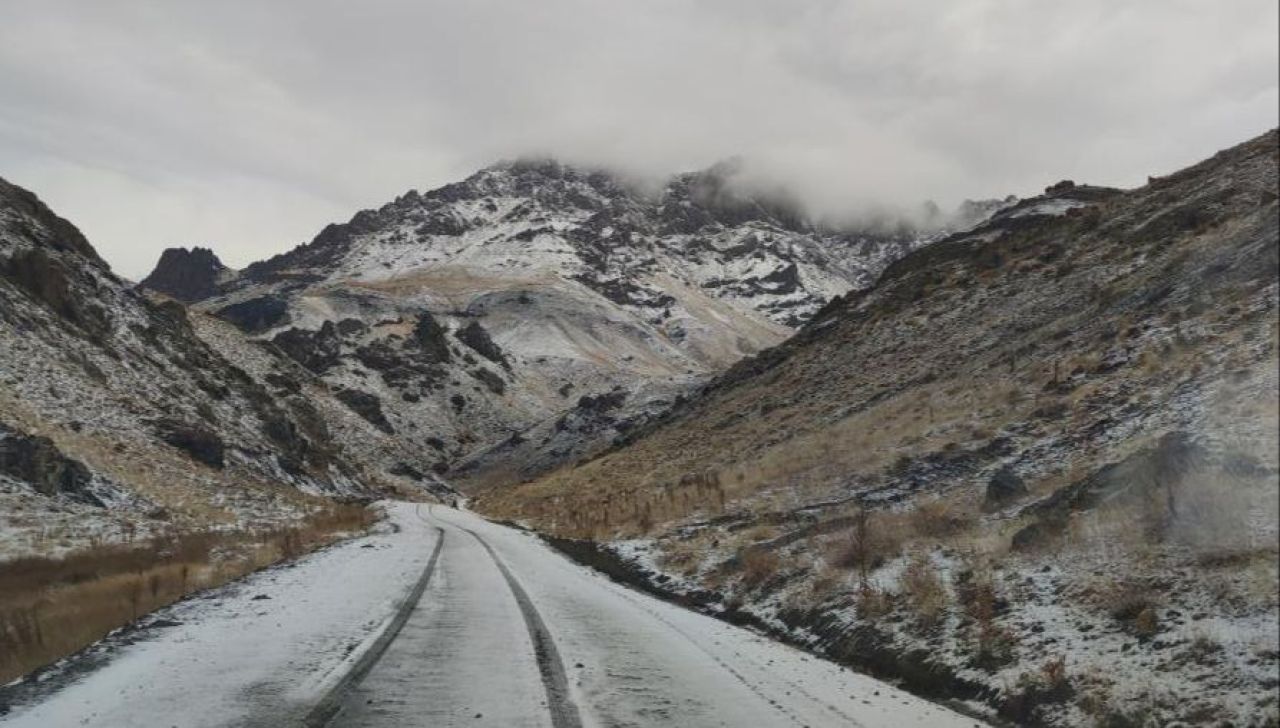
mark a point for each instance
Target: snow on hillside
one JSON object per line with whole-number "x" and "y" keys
{"x": 541, "y": 288}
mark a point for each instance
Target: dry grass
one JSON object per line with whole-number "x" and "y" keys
{"x": 759, "y": 566}
{"x": 627, "y": 494}
{"x": 872, "y": 602}
{"x": 937, "y": 518}
{"x": 50, "y": 608}
{"x": 684, "y": 556}
{"x": 878, "y": 536}
{"x": 1133, "y": 604}
{"x": 924, "y": 591}
{"x": 864, "y": 546}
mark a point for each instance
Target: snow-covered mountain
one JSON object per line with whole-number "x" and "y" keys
{"x": 534, "y": 311}
{"x": 119, "y": 414}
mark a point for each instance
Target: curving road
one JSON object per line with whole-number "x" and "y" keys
{"x": 509, "y": 633}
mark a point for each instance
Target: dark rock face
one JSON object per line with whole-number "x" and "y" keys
{"x": 1005, "y": 486}
{"x": 198, "y": 441}
{"x": 257, "y": 314}
{"x": 315, "y": 350}
{"x": 1037, "y": 535}
{"x": 187, "y": 275}
{"x": 784, "y": 280}
{"x": 406, "y": 470}
{"x": 380, "y": 356}
{"x": 49, "y": 281}
{"x": 624, "y": 292}
{"x": 604, "y": 402}
{"x": 489, "y": 379}
{"x": 352, "y": 327}
{"x": 475, "y": 336}
{"x": 429, "y": 336}
{"x": 367, "y": 406}
{"x": 36, "y": 460}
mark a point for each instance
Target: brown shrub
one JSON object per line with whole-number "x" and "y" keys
{"x": 924, "y": 591}
{"x": 994, "y": 647}
{"x": 758, "y": 566}
{"x": 937, "y": 519}
{"x": 865, "y": 545}
{"x": 1036, "y": 691}
{"x": 1132, "y": 603}
{"x": 872, "y": 602}
{"x": 1054, "y": 672}
{"x": 1146, "y": 624}
{"x": 976, "y": 593}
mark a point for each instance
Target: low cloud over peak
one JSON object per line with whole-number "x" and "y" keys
{"x": 251, "y": 125}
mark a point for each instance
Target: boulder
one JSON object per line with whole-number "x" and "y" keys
{"x": 1003, "y": 488}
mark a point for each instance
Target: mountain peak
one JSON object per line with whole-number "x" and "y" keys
{"x": 187, "y": 275}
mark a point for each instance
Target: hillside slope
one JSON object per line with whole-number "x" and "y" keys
{"x": 137, "y": 461}
{"x": 1034, "y": 466}
{"x": 533, "y": 312}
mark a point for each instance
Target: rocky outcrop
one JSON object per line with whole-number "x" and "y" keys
{"x": 367, "y": 406}
{"x": 50, "y": 281}
{"x": 315, "y": 350}
{"x": 47, "y": 229}
{"x": 257, "y": 315}
{"x": 474, "y": 336}
{"x": 429, "y": 338}
{"x": 200, "y": 442}
{"x": 1003, "y": 488}
{"x": 38, "y": 462}
{"x": 187, "y": 275}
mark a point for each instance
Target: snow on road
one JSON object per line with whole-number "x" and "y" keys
{"x": 508, "y": 633}
{"x": 255, "y": 652}
{"x": 633, "y": 660}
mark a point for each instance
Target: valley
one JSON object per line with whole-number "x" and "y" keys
{"x": 1019, "y": 460}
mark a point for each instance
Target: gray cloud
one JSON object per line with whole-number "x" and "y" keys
{"x": 249, "y": 125}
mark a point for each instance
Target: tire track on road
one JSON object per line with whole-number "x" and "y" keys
{"x": 564, "y": 712}
{"x": 331, "y": 704}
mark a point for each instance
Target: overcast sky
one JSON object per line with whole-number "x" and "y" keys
{"x": 250, "y": 125}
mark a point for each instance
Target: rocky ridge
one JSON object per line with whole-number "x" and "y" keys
{"x": 187, "y": 275}
{"x": 487, "y": 321}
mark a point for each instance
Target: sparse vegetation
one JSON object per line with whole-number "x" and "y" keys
{"x": 50, "y": 607}
{"x": 924, "y": 591}
{"x": 758, "y": 566}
